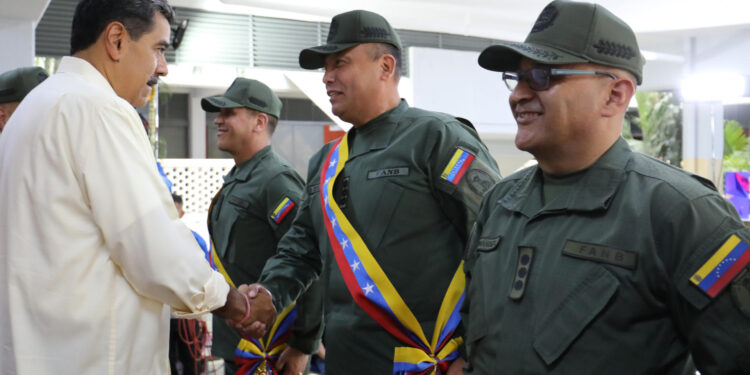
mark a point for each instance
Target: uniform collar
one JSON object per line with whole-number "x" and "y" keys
{"x": 593, "y": 192}
{"x": 377, "y": 133}
{"x": 242, "y": 171}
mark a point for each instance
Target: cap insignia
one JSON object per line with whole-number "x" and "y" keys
{"x": 542, "y": 54}
{"x": 545, "y": 19}
{"x": 614, "y": 49}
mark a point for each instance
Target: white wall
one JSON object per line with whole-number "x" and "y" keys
{"x": 452, "y": 82}
{"x": 17, "y": 41}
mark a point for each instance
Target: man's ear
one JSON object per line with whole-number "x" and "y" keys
{"x": 387, "y": 67}
{"x": 115, "y": 40}
{"x": 3, "y": 116}
{"x": 620, "y": 92}
{"x": 261, "y": 122}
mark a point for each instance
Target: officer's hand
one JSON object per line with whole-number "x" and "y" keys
{"x": 456, "y": 368}
{"x": 262, "y": 312}
{"x": 235, "y": 311}
{"x": 292, "y": 361}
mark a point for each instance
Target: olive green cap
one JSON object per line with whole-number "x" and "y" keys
{"x": 346, "y": 31}
{"x": 569, "y": 32}
{"x": 247, "y": 93}
{"x": 16, "y": 83}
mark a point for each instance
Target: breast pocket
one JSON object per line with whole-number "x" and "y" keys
{"x": 566, "y": 321}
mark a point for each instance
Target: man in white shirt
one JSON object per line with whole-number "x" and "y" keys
{"x": 92, "y": 253}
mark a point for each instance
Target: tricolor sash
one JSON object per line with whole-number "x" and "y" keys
{"x": 253, "y": 354}
{"x": 373, "y": 292}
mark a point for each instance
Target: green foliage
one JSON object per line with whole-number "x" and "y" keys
{"x": 660, "y": 121}
{"x": 736, "y": 148}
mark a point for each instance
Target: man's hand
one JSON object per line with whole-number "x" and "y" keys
{"x": 292, "y": 361}
{"x": 262, "y": 311}
{"x": 456, "y": 368}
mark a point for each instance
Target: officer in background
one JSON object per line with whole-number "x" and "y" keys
{"x": 14, "y": 85}
{"x": 599, "y": 260}
{"x": 251, "y": 212}
{"x": 387, "y": 212}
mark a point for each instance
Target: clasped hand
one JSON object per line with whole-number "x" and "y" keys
{"x": 249, "y": 309}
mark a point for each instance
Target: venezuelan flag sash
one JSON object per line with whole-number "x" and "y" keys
{"x": 253, "y": 354}
{"x": 373, "y": 292}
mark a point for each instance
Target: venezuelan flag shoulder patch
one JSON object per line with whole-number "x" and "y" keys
{"x": 283, "y": 209}
{"x": 714, "y": 275}
{"x": 457, "y": 166}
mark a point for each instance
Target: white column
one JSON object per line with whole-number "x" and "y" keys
{"x": 197, "y": 127}
{"x": 703, "y": 139}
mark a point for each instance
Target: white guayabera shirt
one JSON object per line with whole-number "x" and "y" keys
{"x": 92, "y": 253}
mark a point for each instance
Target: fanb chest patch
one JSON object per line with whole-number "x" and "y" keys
{"x": 601, "y": 254}
{"x": 388, "y": 172}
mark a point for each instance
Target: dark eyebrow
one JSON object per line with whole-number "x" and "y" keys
{"x": 163, "y": 43}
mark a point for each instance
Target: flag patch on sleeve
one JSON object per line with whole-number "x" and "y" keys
{"x": 282, "y": 210}
{"x": 722, "y": 267}
{"x": 457, "y": 166}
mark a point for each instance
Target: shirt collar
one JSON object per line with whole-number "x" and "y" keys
{"x": 593, "y": 192}
{"x": 83, "y": 68}
{"x": 377, "y": 133}
{"x": 242, "y": 171}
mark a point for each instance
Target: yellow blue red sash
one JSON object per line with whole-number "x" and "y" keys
{"x": 373, "y": 292}
{"x": 252, "y": 353}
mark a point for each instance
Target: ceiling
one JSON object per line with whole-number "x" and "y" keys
{"x": 497, "y": 19}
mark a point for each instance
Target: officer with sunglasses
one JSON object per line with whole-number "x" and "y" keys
{"x": 599, "y": 260}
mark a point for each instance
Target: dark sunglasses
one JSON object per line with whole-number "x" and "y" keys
{"x": 538, "y": 78}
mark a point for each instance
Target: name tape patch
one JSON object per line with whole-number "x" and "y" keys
{"x": 388, "y": 172}
{"x": 601, "y": 254}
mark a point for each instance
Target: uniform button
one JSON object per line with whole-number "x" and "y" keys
{"x": 525, "y": 259}
{"x": 522, "y": 272}
{"x": 518, "y": 285}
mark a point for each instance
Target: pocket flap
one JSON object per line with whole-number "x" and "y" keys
{"x": 566, "y": 322}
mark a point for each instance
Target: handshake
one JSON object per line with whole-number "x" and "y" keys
{"x": 249, "y": 309}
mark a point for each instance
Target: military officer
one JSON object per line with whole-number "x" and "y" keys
{"x": 387, "y": 212}
{"x": 14, "y": 85}
{"x": 599, "y": 260}
{"x": 251, "y": 212}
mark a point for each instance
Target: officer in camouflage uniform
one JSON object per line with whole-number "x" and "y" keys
{"x": 14, "y": 85}
{"x": 599, "y": 260}
{"x": 253, "y": 210}
{"x": 398, "y": 189}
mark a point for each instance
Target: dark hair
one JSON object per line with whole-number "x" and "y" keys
{"x": 177, "y": 198}
{"x": 380, "y": 49}
{"x": 93, "y": 16}
{"x": 272, "y": 120}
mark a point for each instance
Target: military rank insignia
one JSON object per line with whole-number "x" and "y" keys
{"x": 283, "y": 209}
{"x": 457, "y": 166}
{"x": 722, "y": 267}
